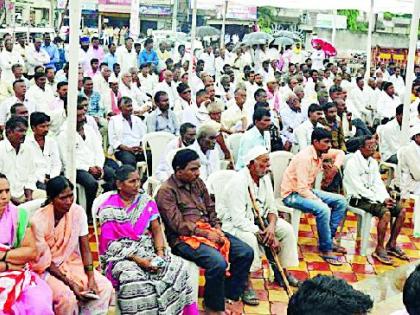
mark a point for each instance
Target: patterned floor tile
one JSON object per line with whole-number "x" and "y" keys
{"x": 319, "y": 272}
{"x": 262, "y": 308}
{"x": 278, "y": 308}
{"x": 278, "y": 296}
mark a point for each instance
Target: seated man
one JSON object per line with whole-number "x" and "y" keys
{"x": 257, "y": 135}
{"x": 332, "y": 124}
{"x": 16, "y": 162}
{"x": 90, "y": 159}
{"x": 125, "y": 134}
{"x": 185, "y": 206}
{"x": 410, "y": 172}
{"x": 367, "y": 191}
{"x": 303, "y": 132}
{"x": 205, "y": 148}
{"x": 390, "y": 138}
{"x": 187, "y": 137}
{"x": 324, "y": 295}
{"x": 238, "y": 219}
{"x": 44, "y": 150}
{"x": 162, "y": 118}
{"x": 297, "y": 190}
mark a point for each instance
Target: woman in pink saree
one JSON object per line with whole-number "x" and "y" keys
{"x": 21, "y": 290}
{"x": 65, "y": 260}
{"x": 150, "y": 280}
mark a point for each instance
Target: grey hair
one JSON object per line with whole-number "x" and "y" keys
{"x": 206, "y": 130}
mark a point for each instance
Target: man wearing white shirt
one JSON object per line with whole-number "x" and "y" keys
{"x": 387, "y": 103}
{"x": 147, "y": 81}
{"x": 367, "y": 191}
{"x": 36, "y": 56}
{"x": 390, "y": 138}
{"x": 359, "y": 98}
{"x": 20, "y": 47}
{"x": 16, "y": 162}
{"x": 209, "y": 61}
{"x": 8, "y": 58}
{"x": 39, "y": 93}
{"x": 303, "y": 132}
{"x": 187, "y": 135}
{"x": 169, "y": 87}
{"x": 410, "y": 171}
{"x": 44, "y": 150}
{"x": 17, "y": 70}
{"x": 129, "y": 89}
{"x": 220, "y": 62}
{"x": 184, "y": 98}
{"x": 398, "y": 82}
{"x": 318, "y": 56}
{"x": 19, "y": 87}
{"x": 100, "y": 80}
{"x": 89, "y": 155}
{"x": 197, "y": 114}
{"x": 291, "y": 117}
{"x": 237, "y": 214}
{"x": 205, "y": 148}
{"x": 125, "y": 134}
{"x": 126, "y": 55}
{"x": 235, "y": 118}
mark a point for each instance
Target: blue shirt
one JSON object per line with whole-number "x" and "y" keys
{"x": 110, "y": 60}
{"x": 95, "y": 107}
{"x": 250, "y": 139}
{"x": 52, "y": 51}
{"x": 157, "y": 122}
{"x": 146, "y": 57}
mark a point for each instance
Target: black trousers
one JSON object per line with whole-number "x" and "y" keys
{"x": 131, "y": 159}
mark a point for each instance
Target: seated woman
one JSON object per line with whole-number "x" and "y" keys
{"x": 61, "y": 233}
{"x": 17, "y": 248}
{"x": 150, "y": 280}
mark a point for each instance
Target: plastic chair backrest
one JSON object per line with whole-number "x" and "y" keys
{"x": 157, "y": 142}
{"x": 216, "y": 184}
{"x": 95, "y": 207}
{"x": 32, "y": 206}
{"x": 233, "y": 142}
{"x": 279, "y": 161}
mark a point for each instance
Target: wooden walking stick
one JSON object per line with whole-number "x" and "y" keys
{"x": 262, "y": 227}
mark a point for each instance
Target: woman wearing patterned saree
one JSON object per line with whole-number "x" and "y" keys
{"x": 131, "y": 242}
{"x": 17, "y": 248}
{"x": 61, "y": 233}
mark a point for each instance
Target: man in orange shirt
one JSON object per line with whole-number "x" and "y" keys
{"x": 297, "y": 190}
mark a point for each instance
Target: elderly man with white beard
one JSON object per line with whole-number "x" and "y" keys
{"x": 237, "y": 216}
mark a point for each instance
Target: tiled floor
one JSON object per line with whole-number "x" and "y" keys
{"x": 355, "y": 268}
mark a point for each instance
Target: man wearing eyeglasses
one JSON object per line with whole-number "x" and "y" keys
{"x": 367, "y": 191}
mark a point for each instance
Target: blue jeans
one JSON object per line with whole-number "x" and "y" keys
{"x": 328, "y": 213}
{"x": 217, "y": 287}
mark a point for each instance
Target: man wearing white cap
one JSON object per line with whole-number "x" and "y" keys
{"x": 237, "y": 214}
{"x": 112, "y": 97}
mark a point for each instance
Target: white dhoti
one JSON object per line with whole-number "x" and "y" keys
{"x": 288, "y": 254}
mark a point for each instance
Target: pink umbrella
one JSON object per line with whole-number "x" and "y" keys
{"x": 328, "y": 48}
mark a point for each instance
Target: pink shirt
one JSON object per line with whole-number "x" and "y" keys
{"x": 96, "y": 53}
{"x": 303, "y": 169}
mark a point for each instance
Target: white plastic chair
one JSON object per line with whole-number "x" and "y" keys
{"x": 233, "y": 142}
{"x": 157, "y": 141}
{"x": 279, "y": 161}
{"x": 32, "y": 206}
{"x": 81, "y": 196}
{"x": 95, "y": 207}
{"x": 216, "y": 184}
{"x": 389, "y": 167}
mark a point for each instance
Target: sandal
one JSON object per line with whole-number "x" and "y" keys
{"x": 339, "y": 249}
{"x": 397, "y": 252}
{"x": 250, "y": 297}
{"x": 383, "y": 258}
{"x": 332, "y": 260}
